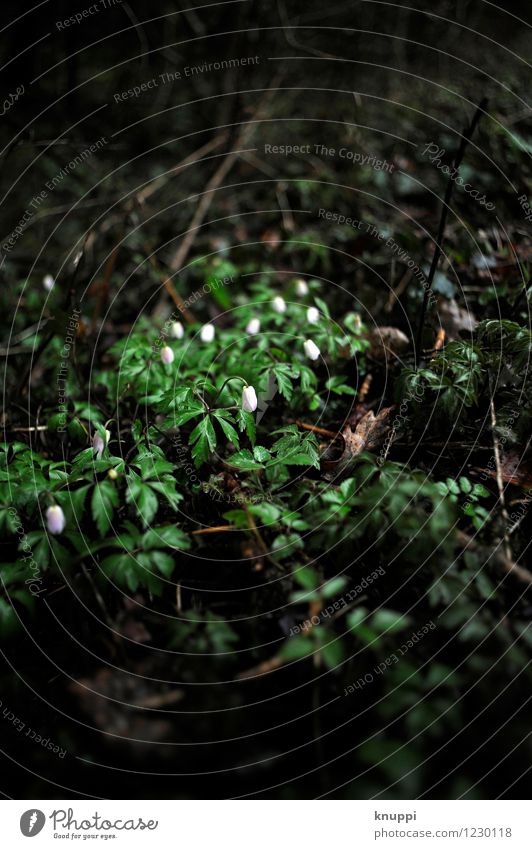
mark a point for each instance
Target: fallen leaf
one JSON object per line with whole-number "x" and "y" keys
{"x": 454, "y": 319}
{"x": 513, "y": 470}
{"x": 368, "y": 434}
{"x": 110, "y": 697}
{"x": 387, "y": 342}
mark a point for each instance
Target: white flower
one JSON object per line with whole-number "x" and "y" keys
{"x": 253, "y": 326}
{"x": 311, "y": 349}
{"x": 48, "y": 282}
{"x": 249, "y": 399}
{"x": 55, "y": 519}
{"x": 207, "y": 333}
{"x": 279, "y": 304}
{"x": 167, "y": 355}
{"x": 177, "y": 330}
{"x": 98, "y": 443}
{"x": 301, "y": 288}
{"x": 313, "y": 315}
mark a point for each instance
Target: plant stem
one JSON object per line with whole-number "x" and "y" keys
{"x": 466, "y": 138}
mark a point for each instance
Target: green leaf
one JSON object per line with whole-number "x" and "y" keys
{"x": 306, "y": 577}
{"x": 246, "y": 422}
{"x": 337, "y": 385}
{"x": 244, "y": 461}
{"x": 227, "y": 427}
{"x": 331, "y": 650}
{"x": 285, "y": 544}
{"x": 167, "y": 487}
{"x": 122, "y": 568}
{"x": 77, "y": 500}
{"x": 167, "y": 535}
{"x": 203, "y": 440}
{"x": 164, "y": 562}
{"x": 191, "y": 411}
{"x": 8, "y": 619}
{"x": 104, "y": 500}
{"x": 297, "y": 648}
{"x": 465, "y": 484}
{"x": 333, "y": 587}
{"x": 143, "y": 497}
{"x": 283, "y": 374}
{"x": 266, "y": 512}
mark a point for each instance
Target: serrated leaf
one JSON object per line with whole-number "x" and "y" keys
{"x": 185, "y": 414}
{"x": 104, "y": 500}
{"x": 227, "y": 428}
{"x": 244, "y": 461}
{"x": 285, "y": 544}
{"x": 246, "y": 422}
{"x": 261, "y": 454}
{"x": 163, "y": 561}
{"x": 283, "y": 374}
{"x": 143, "y": 497}
{"x": 203, "y": 440}
{"x": 165, "y": 535}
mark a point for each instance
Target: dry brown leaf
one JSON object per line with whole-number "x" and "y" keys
{"x": 455, "y": 319}
{"x": 387, "y": 342}
{"x": 368, "y": 434}
{"x": 110, "y": 696}
{"x": 513, "y": 470}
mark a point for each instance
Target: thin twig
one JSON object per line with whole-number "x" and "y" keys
{"x": 321, "y": 430}
{"x": 500, "y": 485}
{"x": 178, "y": 260}
{"x": 438, "y": 247}
{"x": 214, "y": 530}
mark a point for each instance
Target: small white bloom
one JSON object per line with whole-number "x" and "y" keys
{"x": 249, "y": 399}
{"x": 207, "y": 333}
{"x": 279, "y": 304}
{"x": 311, "y": 349}
{"x": 99, "y": 443}
{"x": 177, "y": 330}
{"x": 313, "y": 315}
{"x": 167, "y": 355}
{"x": 301, "y": 288}
{"x": 253, "y": 326}
{"x": 55, "y": 519}
{"x": 48, "y": 282}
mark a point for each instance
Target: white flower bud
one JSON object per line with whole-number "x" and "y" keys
{"x": 301, "y": 288}
{"x": 207, "y": 333}
{"x": 48, "y": 282}
{"x": 177, "y": 330}
{"x": 167, "y": 355}
{"x": 313, "y": 315}
{"x": 253, "y": 326}
{"x": 279, "y": 304}
{"x": 311, "y": 349}
{"x": 249, "y": 399}
{"x": 55, "y": 519}
{"x": 98, "y": 443}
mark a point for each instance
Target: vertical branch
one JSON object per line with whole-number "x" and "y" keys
{"x": 500, "y": 484}
{"x": 466, "y": 138}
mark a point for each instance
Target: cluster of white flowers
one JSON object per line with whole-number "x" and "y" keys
{"x": 55, "y": 518}
{"x": 208, "y": 332}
